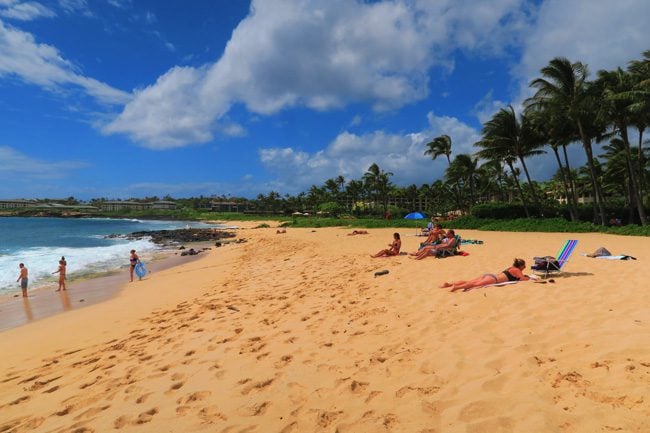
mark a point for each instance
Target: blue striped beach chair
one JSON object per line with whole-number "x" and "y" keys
{"x": 555, "y": 266}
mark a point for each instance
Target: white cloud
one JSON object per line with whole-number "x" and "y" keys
{"x": 26, "y": 11}
{"x": 487, "y": 107}
{"x": 43, "y": 65}
{"x": 15, "y": 165}
{"x": 321, "y": 55}
{"x": 150, "y": 17}
{"x": 350, "y": 155}
{"x": 600, "y": 33}
{"x": 244, "y": 188}
{"x": 75, "y": 6}
{"x": 120, "y": 4}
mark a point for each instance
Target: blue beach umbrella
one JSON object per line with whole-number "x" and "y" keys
{"x": 415, "y": 216}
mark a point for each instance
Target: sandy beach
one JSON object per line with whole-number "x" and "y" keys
{"x": 294, "y": 333}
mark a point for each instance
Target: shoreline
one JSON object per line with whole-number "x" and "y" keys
{"x": 44, "y": 301}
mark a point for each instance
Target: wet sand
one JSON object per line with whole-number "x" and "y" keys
{"x": 45, "y": 301}
{"x": 294, "y": 333}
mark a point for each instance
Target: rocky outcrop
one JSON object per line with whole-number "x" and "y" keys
{"x": 182, "y": 235}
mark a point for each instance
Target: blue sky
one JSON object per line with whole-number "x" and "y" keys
{"x": 132, "y": 98}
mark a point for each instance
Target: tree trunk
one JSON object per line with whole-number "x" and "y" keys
{"x": 569, "y": 202}
{"x": 598, "y": 197}
{"x": 521, "y": 192}
{"x": 641, "y": 168}
{"x": 572, "y": 183}
{"x": 532, "y": 188}
{"x": 634, "y": 186}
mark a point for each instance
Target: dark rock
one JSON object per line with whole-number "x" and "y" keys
{"x": 190, "y": 252}
{"x": 182, "y": 235}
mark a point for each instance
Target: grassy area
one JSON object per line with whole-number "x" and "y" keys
{"x": 556, "y": 225}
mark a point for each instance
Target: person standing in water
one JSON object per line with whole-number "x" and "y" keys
{"x": 134, "y": 259}
{"x": 23, "y": 278}
{"x": 61, "y": 272}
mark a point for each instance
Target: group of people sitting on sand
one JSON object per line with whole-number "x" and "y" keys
{"x": 439, "y": 240}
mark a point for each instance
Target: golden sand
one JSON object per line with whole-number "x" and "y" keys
{"x": 294, "y": 333}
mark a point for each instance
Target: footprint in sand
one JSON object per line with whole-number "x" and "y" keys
{"x": 255, "y": 410}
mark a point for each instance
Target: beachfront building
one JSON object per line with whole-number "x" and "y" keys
{"x": 163, "y": 204}
{"x": 226, "y": 206}
{"x": 124, "y": 205}
{"x": 111, "y": 206}
{"x": 14, "y": 204}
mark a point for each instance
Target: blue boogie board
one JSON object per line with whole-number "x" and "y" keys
{"x": 140, "y": 270}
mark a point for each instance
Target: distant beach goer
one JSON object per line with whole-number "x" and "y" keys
{"x": 280, "y": 231}
{"x": 436, "y": 235}
{"x": 358, "y": 232}
{"x": 513, "y": 273}
{"x": 61, "y": 272}
{"x": 394, "y": 247}
{"x": 23, "y": 278}
{"x": 65, "y": 263}
{"x": 134, "y": 259}
{"x": 447, "y": 244}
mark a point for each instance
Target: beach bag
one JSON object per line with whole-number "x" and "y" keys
{"x": 544, "y": 263}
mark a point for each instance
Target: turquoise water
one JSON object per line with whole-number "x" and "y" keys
{"x": 39, "y": 243}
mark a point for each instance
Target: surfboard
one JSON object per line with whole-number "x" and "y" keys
{"x": 140, "y": 270}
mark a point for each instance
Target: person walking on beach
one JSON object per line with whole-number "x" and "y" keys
{"x": 23, "y": 279}
{"x": 134, "y": 259}
{"x": 61, "y": 272}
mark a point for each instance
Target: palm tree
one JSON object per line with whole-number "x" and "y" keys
{"x": 439, "y": 146}
{"x": 564, "y": 90}
{"x": 491, "y": 151}
{"x": 378, "y": 183}
{"x": 491, "y": 180}
{"x": 354, "y": 190}
{"x": 616, "y": 100}
{"x": 516, "y": 138}
{"x": 640, "y": 109}
{"x": 557, "y": 131}
{"x": 463, "y": 169}
{"x": 442, "y": 146}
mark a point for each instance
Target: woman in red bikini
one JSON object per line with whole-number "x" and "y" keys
{"x": 513, "y": 273}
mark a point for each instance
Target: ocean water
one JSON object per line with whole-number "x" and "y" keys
{"x": 39, "y": 243}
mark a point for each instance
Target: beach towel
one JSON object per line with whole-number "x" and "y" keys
{"x": 619, "y": 257}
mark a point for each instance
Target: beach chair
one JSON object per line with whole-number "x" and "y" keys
{"x": 451, "y": 251}
{"x": 547, "y": 266}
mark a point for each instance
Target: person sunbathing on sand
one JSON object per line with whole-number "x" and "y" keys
{"x": 513, "y": 273}
{"x": 358, "y": 232}
{"x": 280, "y": 231}
{"x": 448, "y": 243}
{"x": 393, "y": 250}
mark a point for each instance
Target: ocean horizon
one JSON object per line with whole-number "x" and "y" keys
{"x": 39, "y": 243}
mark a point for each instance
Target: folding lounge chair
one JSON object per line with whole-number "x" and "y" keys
{"x": 452, "y": 251}
{"x": 555, "y": 266}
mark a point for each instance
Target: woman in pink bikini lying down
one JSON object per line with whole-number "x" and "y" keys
{"x": 513, "y": 273}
